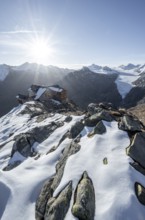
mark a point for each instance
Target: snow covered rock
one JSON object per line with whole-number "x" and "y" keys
{"x": 64, "y": 169}
{"x": 84, "y": 200}
{"x": 130, "y": 123}
{"x": 137, "y": 148}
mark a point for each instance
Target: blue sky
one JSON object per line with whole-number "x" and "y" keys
{"x": 79, "y": 32}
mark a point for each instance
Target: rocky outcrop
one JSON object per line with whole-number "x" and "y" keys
{"x": 84, "y": 201}
{"x": 95, "y": 118}
{"x": 98, "y": 129}
{"x": 23, "y": 144}
{"x": 76, "y": 129}
{"x": 140, "y": 193}
{"x": 130, "y": 123}
{"x": 46, "y": 193}
{"x": 57, "y": 208}
{"x": 137, "y": 148}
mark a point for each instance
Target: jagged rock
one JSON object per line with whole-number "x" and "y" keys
{"x": 93, "y": 108}
{"x": 130, "y": 123}
{"x": 43, "y": 132}
{"x": 76, "y": 129}
{"x": 49, "y": 187}
{"x": 84, "y": 201}
{"x": 23, "y": 144}
{"x": 57, "y": 208}
{"x": 45, "y": 194}
{"x": 11, "y": 166}
{"x": 140, "y": 193}
{"x": 137, "y": 148}
{"x": 94, "y": 119}
{"x": 68, "y": 118}
{"x": 98, "y": 129}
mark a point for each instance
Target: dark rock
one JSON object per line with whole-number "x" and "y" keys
{"x": 137, "y": 148}
{"x": 93, "y": 108}
{"x": 12, "y": 165}
{"x": 49, "y": 187}
{"x": 94, "y": 119}
{"x": 84, "y": 201}
{"x": 23, "y": 144}
{"x": 43, "y": 132}
{"x": 76, "y": 129}
{"x": 45, "y": 194}
{"x": 140, "y": 193}
{"x": 130, "y": 123}
{"x": 98, "y": 129}
{"x": 57, "y": 208}
{"x": 68, "y": 118}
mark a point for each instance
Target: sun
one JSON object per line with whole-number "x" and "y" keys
{"x": 39, "y": 50}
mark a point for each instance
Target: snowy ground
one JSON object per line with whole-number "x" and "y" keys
{"x": 113, "y": 182}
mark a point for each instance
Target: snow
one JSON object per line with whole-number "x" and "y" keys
{"x": 4, "y": 71}
{"x": 113, "y": 182}
{"x": 39, "y": 93}
{"x": 126, "y": 76}
{"x": 55, "y": 89}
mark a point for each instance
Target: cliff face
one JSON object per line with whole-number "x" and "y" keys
{"x": 70, "y": 164}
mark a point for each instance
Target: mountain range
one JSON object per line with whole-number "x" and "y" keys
{"x": 123, "y": 85}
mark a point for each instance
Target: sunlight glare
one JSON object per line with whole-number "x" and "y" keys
{"x": 39, "y": 50}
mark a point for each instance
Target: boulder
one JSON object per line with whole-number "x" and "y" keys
{"x": 98, "y": 129}
{"x": 76, "y": 129}
{"x": 130, "y": 123}
{"x": 57, "y": 208}
{"x": 50, "y": 185}
{"x": 137, "y": 148}
{"x": 84, "y": 201}
{"x": 94, "y": 119}
{"x": 68, "y": 118}
{"x": 23, "y": 144}
{"x": 140, "y": 193}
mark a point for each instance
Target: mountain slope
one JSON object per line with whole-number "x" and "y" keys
{"x": 71, "y": 166}
{"x": 20, "y": 78}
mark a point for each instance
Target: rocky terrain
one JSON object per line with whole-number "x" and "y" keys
{"x": 67, "y": 164}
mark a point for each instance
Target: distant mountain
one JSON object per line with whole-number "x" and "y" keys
{"x": 123, "y": 85}
{"x": 14, "y": 80}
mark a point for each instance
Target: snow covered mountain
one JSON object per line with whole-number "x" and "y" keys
{"x": 126, "y": 75}
{"x": 123, "y": 85}
{"x": 71, "y": 165}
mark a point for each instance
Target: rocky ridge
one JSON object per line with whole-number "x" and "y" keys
{"x": 52, "y": 140}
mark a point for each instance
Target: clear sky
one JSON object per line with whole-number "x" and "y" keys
{"x": 75, "y": 32}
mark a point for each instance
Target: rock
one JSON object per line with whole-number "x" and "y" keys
{"x": 93, "y": 108}
{"x": 76, "y": 129}
{"x": 130, "y": 123}
{"x": 68, "y": 118}
{"x": 49, "y": 187}
{"x": 137, "y": 148}
{"x": 23, "y": 144}
{"x": 12, "y": 165}
{"x": 43, "y": 132}
{"x": 84, "y": 201}
{"x": 99, "y": 129}
{"x": 94, "y": 119}
{"x": 57, "y": 208}
{"x": 45, "y": 194}
{"x": 140, "y": 193}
